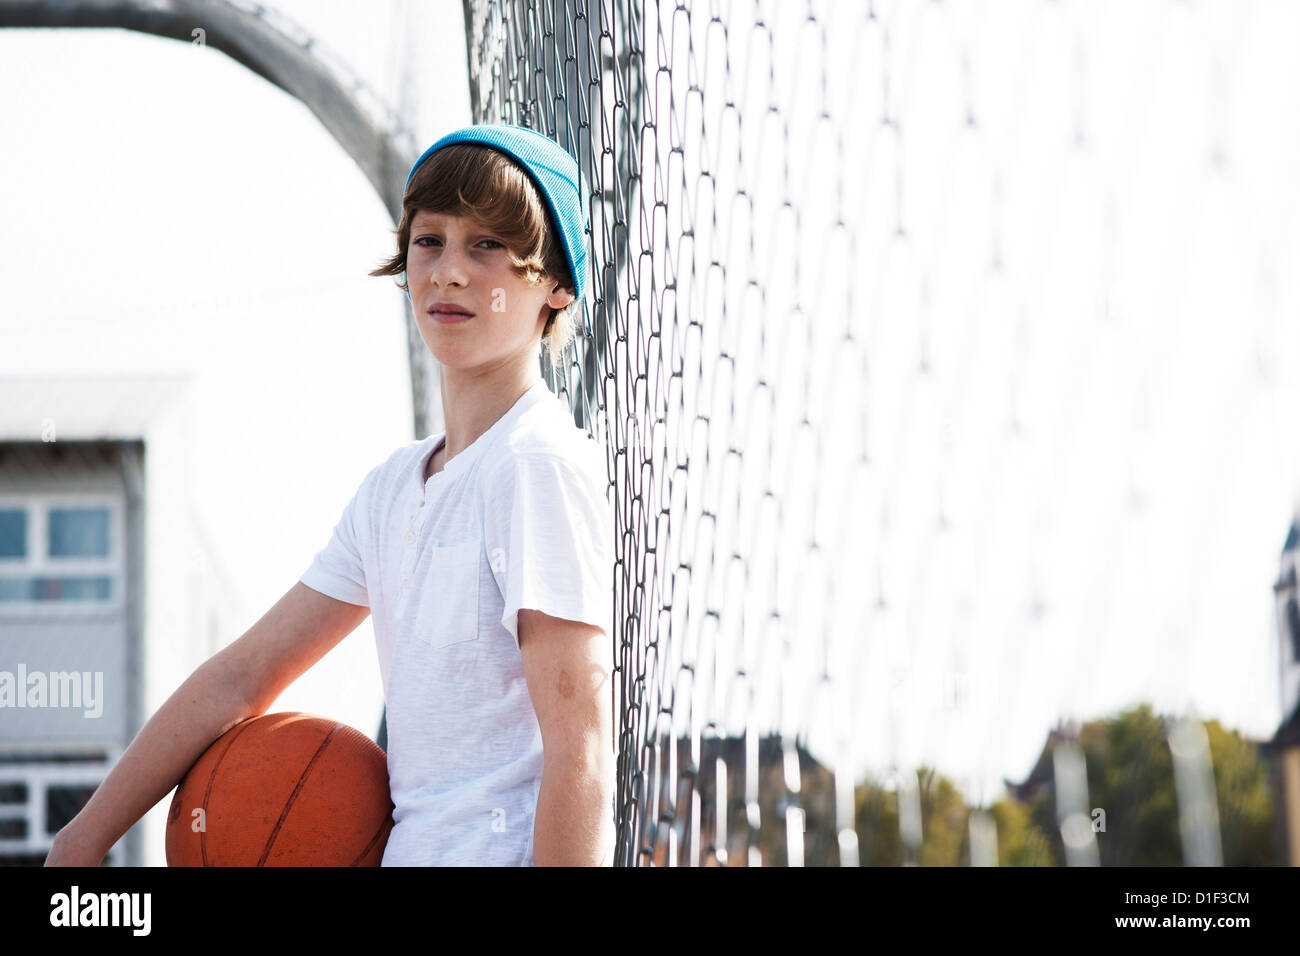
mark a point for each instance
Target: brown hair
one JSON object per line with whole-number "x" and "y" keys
{"x": 464, "y": 179}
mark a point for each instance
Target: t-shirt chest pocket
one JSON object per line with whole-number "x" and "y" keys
{"x": 453, "y": 580}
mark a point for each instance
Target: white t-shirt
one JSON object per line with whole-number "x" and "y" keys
{"x": 519, "y": 519}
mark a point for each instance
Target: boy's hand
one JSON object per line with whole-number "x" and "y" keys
{"x": 70, "y": 850}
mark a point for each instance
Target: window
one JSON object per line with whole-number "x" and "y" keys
{"x": 1293, "y": 627}
{"x": 60, "y": 552}
{"x": 39, "y": 794}
{"x": 13, "y": 533}
{"x": 13, "y": 792}
{"x": 62, "y": 803}
{"x": 78, "y": 533}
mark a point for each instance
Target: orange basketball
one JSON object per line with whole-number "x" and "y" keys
{"x": 283, "y": 790}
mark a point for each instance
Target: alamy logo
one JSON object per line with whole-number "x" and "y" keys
{"x": 102, "y": 909}
{"x": 82, "y": 689}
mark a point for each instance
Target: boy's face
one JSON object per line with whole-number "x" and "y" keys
{"x": 454, "y": 259}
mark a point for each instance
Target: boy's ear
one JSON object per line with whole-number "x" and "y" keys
{"x": 559, "y": 297}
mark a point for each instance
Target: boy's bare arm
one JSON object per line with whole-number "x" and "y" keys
{"x": 567, "y": 666}
{"x": 240, "y": 681}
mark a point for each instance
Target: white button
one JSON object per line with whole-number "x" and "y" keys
{"x": 410, "y": 537}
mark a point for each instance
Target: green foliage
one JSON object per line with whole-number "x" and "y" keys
{"x": 1131, "y": 777}
{"x": 1246, "y": 811}
{"x": 945, "y": 827}
{"x": 876, "y": 823}
{"x": 1020, "y": 841}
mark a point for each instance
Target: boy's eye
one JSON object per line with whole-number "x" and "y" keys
{"x": 433, "y": 239}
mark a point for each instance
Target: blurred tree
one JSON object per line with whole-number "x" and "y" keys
{"x": 1020, "y": 841}
{"x": 1246, "y": 811}
{"x": 944, "y": 821}
{"x": 1131, "y": 778}
{"x": 876, "y": 822}
{"x": 945, "y": 827}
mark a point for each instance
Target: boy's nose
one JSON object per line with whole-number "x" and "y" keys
{"x": 449, "y": 268}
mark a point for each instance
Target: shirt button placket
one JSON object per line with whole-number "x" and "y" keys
{"x": 408, "y": 553}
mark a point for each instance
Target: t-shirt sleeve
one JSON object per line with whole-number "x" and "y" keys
{"x": 338, "y": 570}
{"x": 548, "y": 532}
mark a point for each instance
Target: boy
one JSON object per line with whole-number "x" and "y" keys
{"x": 483, "y": 552}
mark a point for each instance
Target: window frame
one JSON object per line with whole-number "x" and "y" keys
{"x": 38, "y": 562}
{"x": 39, "y": 777}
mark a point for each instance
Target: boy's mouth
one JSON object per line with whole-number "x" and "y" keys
{"x": 449, "y": 312}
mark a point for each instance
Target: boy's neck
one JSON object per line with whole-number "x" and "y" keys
{"x": 472, "y": 406}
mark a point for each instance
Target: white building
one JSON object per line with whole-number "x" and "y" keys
{"x": 73, "y": 529}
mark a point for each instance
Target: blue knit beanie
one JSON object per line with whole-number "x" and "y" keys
{"x": 552, "y": 170}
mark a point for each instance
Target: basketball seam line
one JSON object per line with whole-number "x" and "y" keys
{"x": 302, "y": 778}
{"x": 207, "y": 794}
{"x": 373, "y": 840}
